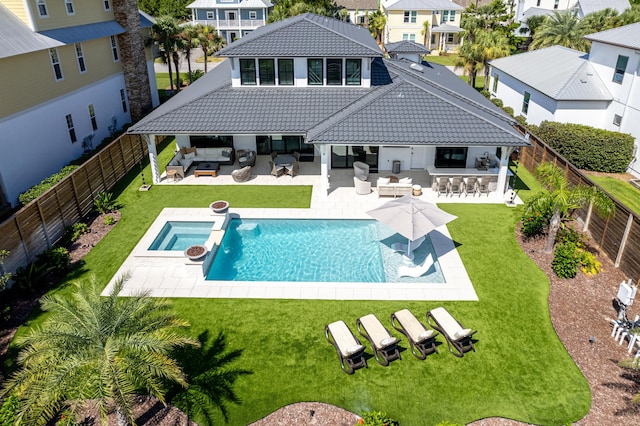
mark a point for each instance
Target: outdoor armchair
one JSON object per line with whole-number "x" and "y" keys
{"x": 385, "y": 346}
{"x": 458, "y": 338}
{"x": 350, "y": 351}
{"x": 421, "y": 340}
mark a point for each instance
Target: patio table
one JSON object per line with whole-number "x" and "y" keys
{"x": 282, "y": 160}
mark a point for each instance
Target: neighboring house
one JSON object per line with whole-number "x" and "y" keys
{"x": 232, "y": 18}
{"x": 528, "y": 8}
{"x": 409, "y": 50}
{"x": 599, "y": 89}
{"x": 586, "y": 7}
{"x": 406, "y": 18}
{"x": 321, "y": 87}
{"x": 358, "y": 10}
{"x": 74, "y": 73}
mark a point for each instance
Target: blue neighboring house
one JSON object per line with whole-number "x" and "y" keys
{"x": 232, "y": 18}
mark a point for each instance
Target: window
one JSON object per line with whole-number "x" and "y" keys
{"x": 525, "y": 103}
{"x": 410, "y": 16}
{"x": 210, "y": 14}
{"x": 538, "y": 3}
{"x": 617, "y": 119}
{"x": 451, "y": 157}
{"x": 55, "y": 63}
{"x": 82, "y": 66}
{"x": 445, "y": 16}
{"x": 362, "y": 19}
{"x": 621, "y": 66}
{"x": 452, "y": 15}
{"x": 123, "y": 99}
{"x": 450, "y": 37}
{"x": 114, "y": 49}
{"x": 285, "y": 72}
{"x": 68, "y": 6}
{"x": 247, "y": 72}
{"x": 496, "y": 77}
{"x": 334, "y": 72}
{"x": 410, "y": 37}
{"x": 72, "y": 130}
{"x": 107, "y": 5}
{"x": 253, "y": 14}
{"x": 267, "y": 72}
{"x": 314, "y": 72}
{"x": 92, "y": 116}
{"x": 555, "y": 4}
{"x": 354, "y": 67}
{"x": 42, "y": 9}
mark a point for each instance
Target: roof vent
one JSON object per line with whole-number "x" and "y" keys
{"x": 583, "y": 81}
{"x": 417, "y": 67}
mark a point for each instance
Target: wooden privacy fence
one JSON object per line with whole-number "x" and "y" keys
{"x": 618, "y": 236}
{"x": 39, "y": 224}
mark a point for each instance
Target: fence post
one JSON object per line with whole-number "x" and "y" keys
{"x": 623, "y": 243}
{"x": 587, "y": 219}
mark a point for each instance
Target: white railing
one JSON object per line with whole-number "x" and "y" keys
{"x": 234, "y": 24}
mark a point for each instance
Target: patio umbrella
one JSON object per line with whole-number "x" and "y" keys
{"x": 410, "y": 217}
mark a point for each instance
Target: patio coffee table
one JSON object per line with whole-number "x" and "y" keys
{"x": 207, "y": 169}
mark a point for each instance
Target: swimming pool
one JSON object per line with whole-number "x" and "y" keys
{"x": 311, "y": 250}
{"x": 178, "y": 236}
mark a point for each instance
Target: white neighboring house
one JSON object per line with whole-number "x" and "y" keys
{"x": 599, "y": 89}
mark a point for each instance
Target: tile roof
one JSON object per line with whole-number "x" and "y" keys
{"x": 244, "y": 4}
{"x": 446, "y": 28}
{"x": 358, "y": 4}
{"x": 627, "y": 36}
{"x": 571, "y": 77}
{"x": 406, "y": 46}
{"x": 305, "y": 35}
{"x": 421, "y": 5}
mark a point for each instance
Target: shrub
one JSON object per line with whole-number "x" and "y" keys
{"x": 9, "y": 409}
{"x": 497, "y": 102}
{"x": 4, "y": 276}
{"x": 39, "y": 189}
{"x": 533, "y": 225}
{"x": 590, "y": 265}
{"x": 196, "y": 74}
{"x": 485, "y": 93}
{"x": 77, "y": 230}
{"x": 377, "y": 418}
{"x": 104, "y": 203}
{"x": 570, "y": 235}
{"x": 566, "y": 260}
{"x": 508, "y": 110}
{"x": 32, "y": 276}
{"x": 522, "y": 120}
{"x": 587, "y": 147}
{"x": 109, "y": 220}
{"x": 57, "y": 259}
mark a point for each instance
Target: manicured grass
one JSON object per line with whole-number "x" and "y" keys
{"x": 520, "y": 369}
{"x": 448, "y": 60}
{"x": 622, "y": 190}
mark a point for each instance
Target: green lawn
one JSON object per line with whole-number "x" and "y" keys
{"x": 622, "y": 190}
{"x": 520, "y": 370}
{"x": 449, "y": 60}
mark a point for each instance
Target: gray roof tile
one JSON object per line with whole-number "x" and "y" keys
{"x": 303, "y": 36}
{"x": 406, "y": 46}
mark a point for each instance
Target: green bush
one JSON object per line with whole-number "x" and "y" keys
{"x": 566, "y": 260}
{"x": 377, "y": 418}
{"x": 497, "y": 102}
{"x": 28, "y": 278}
{"x": 485, "y": 93}
{"x": 104, "y": 203}
{"x": 9, "y": 409}
{"x": 567, "y": 234}
{"x": 57, "y": 259}
{"x": 109, "y": 220}
{"x": 589, "y": 148}
{"x": 77, "y": 230}
{"x": 533, "y": 225}
{"x": 589, "y": 263}
{"x": 196, "y": 74}
{"x": 4, "y": 276}
{"x": 522, "y": 120}
{"x": 39, "y": 189}
{"x": 508, "y": 110}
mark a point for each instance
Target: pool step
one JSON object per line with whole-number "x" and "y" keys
{"x": 215, "y": 238}
{"x": 248, "y": 228}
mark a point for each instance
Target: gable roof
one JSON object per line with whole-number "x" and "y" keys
{"x": 591, "y": 6}
{"x": 421, "y": 5}
{"x": 406, "y": 46}
{"x": 244, "y": 4}
{"x": 571, "y": 77}
{"x": 303, "y": 36}
{"x": 16, "y": 38}
{"x": 358, "y": 4}
{"x": 627, "y": 36}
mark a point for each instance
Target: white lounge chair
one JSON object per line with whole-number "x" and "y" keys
{"x": 458, "y": 337}
{"x": 350, "y": 351}
{"x": 361, "y": 170}
{"x": 385, "y": 346}
{"x": 362, "y": 187}
{"x": 416, "y": 271}
{"x": 404, "y": 247}
{"x": 421, "y": 340}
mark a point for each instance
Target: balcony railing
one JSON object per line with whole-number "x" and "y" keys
{"x": 233, "y": 24}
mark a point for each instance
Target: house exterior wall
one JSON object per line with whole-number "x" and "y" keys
{"x": 85, "y": 12}
{"x": 36, "y": 142}
{"x": 396, "y": 28}
{"x": 18, "y": 9}
{"x": 543, "y": 4}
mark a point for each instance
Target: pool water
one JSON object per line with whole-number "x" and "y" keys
{"x": 307, "y": 250}
{"x": 179, "y": 236}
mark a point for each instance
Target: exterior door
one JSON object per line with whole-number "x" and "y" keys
{"x": 418, "y": 157}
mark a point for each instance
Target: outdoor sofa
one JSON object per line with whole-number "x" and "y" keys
{"x": 185, "y": 157}
{"x": 389, "y": 189}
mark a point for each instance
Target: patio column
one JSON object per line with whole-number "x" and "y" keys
{"x": 504, "y": 168}
{"x": 153, "y": 157}
{"x": 324, "y": 169}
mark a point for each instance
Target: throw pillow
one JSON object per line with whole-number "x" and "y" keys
{"x": 462, "y": 333}
{"x": 387, "y": 342}
{"x": 383, "y": 181}
{"x": 190, "y": 156}
{"x": 226, "y": 153}
{"x": 424, "y": 335}
{"x": 352, "y": 350}
{"x": 242, "y": 159}
{"x": 405, "y": 180}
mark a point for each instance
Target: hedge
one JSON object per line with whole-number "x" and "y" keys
{"x": 589, "y": 148}
{"x": 39, "y": 189}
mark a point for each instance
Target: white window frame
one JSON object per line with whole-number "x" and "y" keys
{"x": 82, "y": 63}
{"x": 55, "y": 64}
{"x": 210, "y": 14}
{"x": 43, "y": 11}
{"x": 69, "y": 8}
{"x": 253, "y": 15}
{"x": 452, "y": 15}
{"x": 408, "y": 37}
{"x": 123, "y": 99}
{"x": 617, "y": 120}
{"x": 71, "y": 128}
{"x": 92, "y": 117}
{"x": 107, "y": 5}
{"x": 556, "y": 3}
{"x": 114, "y": 49}
{"x": 410, "y": 16}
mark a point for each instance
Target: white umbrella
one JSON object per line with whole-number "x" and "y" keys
{"x": 411, "y": 217}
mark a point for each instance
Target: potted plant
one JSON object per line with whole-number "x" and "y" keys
{"x": 196, "y": 252}
{"x": 219, "y": 206}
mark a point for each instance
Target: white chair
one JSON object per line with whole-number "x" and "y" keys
{"x": 361, "y": 170}
{"x": 416, "y": 271}
{"x": 362, "y": 187}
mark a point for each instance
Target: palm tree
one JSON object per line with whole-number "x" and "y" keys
{"x": 562, "y": 28}
{"x": 189, "y": 38}
{"x": 560, "y": 199}
{"x": 96, "y": 350}
{"x": 425, "y": 32}
{"x": 377, "y": 22}
{"x": 470, "y": 60}
{"x": 165, "y": 32}
{"x": 601, "y": 20}
{"x": 210, "y": 378}
{"x": 209, "y": 41}
{"x": 494, "y": 45}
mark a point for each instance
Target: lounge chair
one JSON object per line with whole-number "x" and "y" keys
{"x": 404, "y": 247}
{"x": 458, "y": 337}
{"x": 246, "y": 158}
{"x": 361, "y": 170}
{"x": 421, "y": 340}
{"x": 416, "y": 271}
{"x": 349, "y": 349}
{"x": 385, "y": 346}
{"x": 363, "y": 187}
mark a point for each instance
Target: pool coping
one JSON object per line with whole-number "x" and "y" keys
{"x": 172, "y": 275}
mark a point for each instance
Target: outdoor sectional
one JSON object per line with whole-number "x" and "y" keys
{"x": 184, "y": 158}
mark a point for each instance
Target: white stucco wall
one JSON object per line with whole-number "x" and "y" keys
{"x": 35, "y": 143}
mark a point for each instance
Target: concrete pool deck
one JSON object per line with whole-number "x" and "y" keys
{"x": 173, "y": 275}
